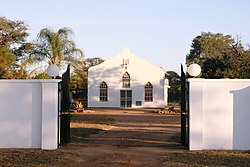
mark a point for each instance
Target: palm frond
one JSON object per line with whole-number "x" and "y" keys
{"x": 57, "y": 47}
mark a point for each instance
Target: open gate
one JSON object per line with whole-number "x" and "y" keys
{"x": 64, "y": 108}
{"x": 184, "y": 110}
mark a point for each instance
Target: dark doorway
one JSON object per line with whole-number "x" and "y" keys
{"x": 126, "y": 98}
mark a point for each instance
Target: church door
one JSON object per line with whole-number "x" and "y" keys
{"x": 126, "y": 98}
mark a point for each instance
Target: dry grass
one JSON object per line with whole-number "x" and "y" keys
{"x": 82, "y": 126}
{"x": 32, "y": 157}
{"x": 91, "y": 119}
{"x": 207, "y": 158}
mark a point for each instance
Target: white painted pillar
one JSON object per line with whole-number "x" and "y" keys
{"x": 195, "y": 114}
{"x": 50, "y": 114}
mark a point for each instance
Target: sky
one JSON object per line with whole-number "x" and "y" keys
{"x": 160, "y": 31}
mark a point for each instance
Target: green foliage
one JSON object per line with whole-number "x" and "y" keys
{"x": 7, "y": 62}
{"x": 220, "y": 56}
{"x": 13, "y": 48}
{"x": 42, "y": 75}
{"x": 56, "y": 47}
{"x": 12, "y": 32}
{"x": 79, "y": 79}
{"x": 174, "y": 94}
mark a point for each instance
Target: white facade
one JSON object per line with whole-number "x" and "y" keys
{"x": 29, "y": 114}
{"x": 219, "y": 114}
{"x": 140, "y": 71}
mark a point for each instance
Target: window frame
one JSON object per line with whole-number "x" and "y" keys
{"x": 148, "y": 92}
{"x": 103, "y": 92}
{"x": 126, "y": 80}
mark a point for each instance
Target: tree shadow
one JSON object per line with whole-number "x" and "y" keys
{"x": 134, "y": 131}
{"x": 82, "y": 135}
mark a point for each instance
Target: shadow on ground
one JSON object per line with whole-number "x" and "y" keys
{"x": 136, "y": 138}
{"x": 134, "y": 129}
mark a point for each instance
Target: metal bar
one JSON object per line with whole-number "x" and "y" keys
{"x": 183, "y": 107}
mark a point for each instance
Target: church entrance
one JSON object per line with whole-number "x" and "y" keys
{"x": 126, "y": 98}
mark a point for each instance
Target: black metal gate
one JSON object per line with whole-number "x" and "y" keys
{"x": 64, "y": 108}
{"x": 184, "y": 111}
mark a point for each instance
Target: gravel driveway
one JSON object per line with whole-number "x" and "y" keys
{"x": 137, "y": 139}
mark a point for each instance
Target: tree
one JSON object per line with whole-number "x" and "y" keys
{"x": 42, "y": 75}
{"x": 13, "y": 48}
{"x": 81, "y": 70}
{"x": 7, "y": 62}
{"x": 174, "y": 94}
{"x": 56, "y": 47}
{"x": 220, "y": 56}
{"x": 79, "y": 79}
{"x": 12, "y": 32}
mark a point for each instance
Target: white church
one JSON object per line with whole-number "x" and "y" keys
{"x": 127, "y": 81}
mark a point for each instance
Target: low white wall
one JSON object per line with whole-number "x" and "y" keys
{"x": 219, "y": 113}
{"x": 29, "y": 114}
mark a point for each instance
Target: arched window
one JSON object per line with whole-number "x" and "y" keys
{"x": 148, "y": 92}
{"x": 126, "y": 80}
{"x": 103, "y": 91}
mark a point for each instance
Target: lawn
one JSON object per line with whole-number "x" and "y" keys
{"x": 83, "y": 126}
{"x": 207, "y": 158}
{"x": 32, "y": 157}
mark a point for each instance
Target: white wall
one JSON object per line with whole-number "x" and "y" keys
{"x": 28, "y": 110}
{"x": 141, "y": 72}
{"x": 219, "y": 114}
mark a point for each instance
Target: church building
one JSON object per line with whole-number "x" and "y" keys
{"x": 127, "y": 81}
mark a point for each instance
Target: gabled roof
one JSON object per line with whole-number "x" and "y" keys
{"x": 126, "y": 53}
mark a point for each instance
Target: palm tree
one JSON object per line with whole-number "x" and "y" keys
{"x": 56, "y": 47}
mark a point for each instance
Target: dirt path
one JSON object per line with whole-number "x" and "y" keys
{"x": 138, "y": 139}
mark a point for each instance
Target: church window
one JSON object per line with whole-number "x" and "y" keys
{"x": 148, "y": 92}
{"x": 126, "y": 80}
{"x": 103, "y": 91}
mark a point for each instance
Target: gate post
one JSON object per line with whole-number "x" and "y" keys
{"x": 49, "y": 114}
{"x": 64, "y": 112}
{"x": 183, "y": 109}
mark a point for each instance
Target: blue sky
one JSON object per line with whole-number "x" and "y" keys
{"x": 160, "y": 31}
